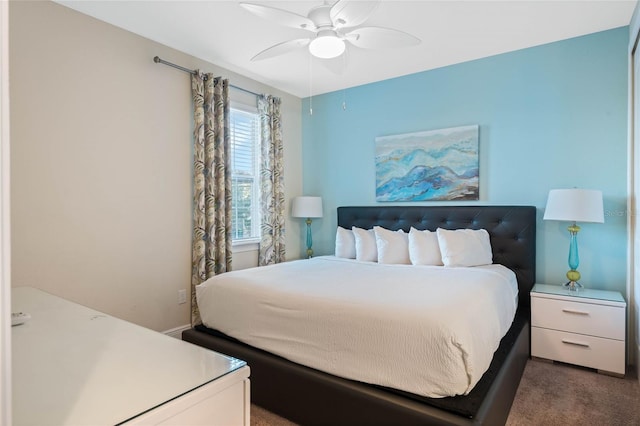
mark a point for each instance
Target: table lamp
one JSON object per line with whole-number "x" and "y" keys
{"x": 308, "y": 207}
{"x": 574, "y": 205}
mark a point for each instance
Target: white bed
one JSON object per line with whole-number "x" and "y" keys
{"x": 427, "y": 330}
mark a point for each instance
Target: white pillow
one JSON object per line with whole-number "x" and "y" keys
{"x": 365, "y": 244}
{"x": 345, "y": 243}
{"x": 393, "y": 246}
{"x": 464, "y": 247}
{"x": 424, "y": 248}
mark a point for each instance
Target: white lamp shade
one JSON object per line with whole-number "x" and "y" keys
{"x": 575, "y": 205}
{"x": 307, "y": 207}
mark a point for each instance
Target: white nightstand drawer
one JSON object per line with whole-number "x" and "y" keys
{"x": 578, "y": 317}
{"x": 589, "y": 351}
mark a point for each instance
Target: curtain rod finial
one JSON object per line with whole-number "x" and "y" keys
{"x": 156, "y": 59}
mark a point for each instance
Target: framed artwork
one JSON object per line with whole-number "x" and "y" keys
{"x": 434, "y": 165}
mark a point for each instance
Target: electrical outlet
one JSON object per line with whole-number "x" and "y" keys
{"x": 182, "y": 297}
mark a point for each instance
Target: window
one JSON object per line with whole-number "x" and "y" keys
{"x": 245, "y": 173}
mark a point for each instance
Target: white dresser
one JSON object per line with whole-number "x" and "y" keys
{"x": 585, "y": 328}
{"x": 75, "y": 366}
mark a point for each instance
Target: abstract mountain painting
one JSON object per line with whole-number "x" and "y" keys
{"x": 434, "y": 165}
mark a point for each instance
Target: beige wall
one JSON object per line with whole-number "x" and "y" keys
{"x": 101, "y": 164}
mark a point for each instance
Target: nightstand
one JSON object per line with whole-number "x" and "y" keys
{"x": 585, "y": 327}
{"x": 72, "y": 365}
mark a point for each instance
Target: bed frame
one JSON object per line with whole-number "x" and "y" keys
{"x": 308, "y": 396}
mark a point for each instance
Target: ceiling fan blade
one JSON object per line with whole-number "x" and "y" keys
{"x": 283, "y": 17}
{"x": 380, "y": 38}
{"x": 347, "y": 13}
{"x": 281, "y": 48}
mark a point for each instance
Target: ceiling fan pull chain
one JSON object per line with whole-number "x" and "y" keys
{"x": 344, "y": 91}
{"x": 310, "y": 85}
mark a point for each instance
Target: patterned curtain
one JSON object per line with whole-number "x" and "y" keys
{"x": 272, "y": 182}
{"x": 211, "y": 250}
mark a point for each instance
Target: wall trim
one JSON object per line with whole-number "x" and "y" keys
{"x": 177, "y": 332}
{"x": 633, "y": 227}
{"x": 5, "y": 223}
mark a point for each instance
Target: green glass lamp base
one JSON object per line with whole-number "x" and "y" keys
{"x": 573, "y": 283}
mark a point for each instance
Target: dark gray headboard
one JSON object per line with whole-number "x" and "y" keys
{"x": 512, "y": 230}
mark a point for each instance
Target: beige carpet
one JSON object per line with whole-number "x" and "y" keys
{"x": 552, "y": 394}
{"x": 262, "y": 417}
{"x": 558, "y": 394}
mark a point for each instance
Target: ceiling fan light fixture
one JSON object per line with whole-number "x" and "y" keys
{"x": 327, "y": 46}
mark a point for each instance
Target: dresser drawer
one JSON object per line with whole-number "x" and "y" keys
{"x": 589, "y": 351}
{"x": 578, "y": 317}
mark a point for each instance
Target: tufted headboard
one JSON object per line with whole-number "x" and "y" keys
{"x": 512, "y": 230}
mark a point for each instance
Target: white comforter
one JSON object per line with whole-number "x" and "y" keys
{"x": 427, "y": 330}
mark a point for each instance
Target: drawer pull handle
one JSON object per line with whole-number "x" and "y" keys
{"x": 573, "y": 311}
{"x": 570, "y": 342}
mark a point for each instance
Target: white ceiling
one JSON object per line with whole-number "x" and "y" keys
{"x": 451, "y": 31}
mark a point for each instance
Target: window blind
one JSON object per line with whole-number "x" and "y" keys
{"x": 245, "y": 152}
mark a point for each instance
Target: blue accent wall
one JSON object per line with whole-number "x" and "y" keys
{"x": 551, "y": 116}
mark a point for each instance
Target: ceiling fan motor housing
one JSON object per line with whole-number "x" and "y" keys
{"x": 321, "y": 16}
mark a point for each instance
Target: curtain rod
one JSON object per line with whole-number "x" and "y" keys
{"x": 157, "y": 60}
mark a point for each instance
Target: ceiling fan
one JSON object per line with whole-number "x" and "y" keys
{"x": 334, "y": 25}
